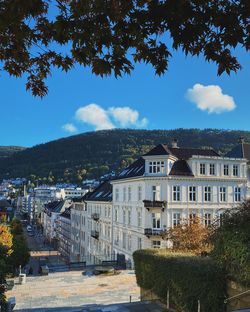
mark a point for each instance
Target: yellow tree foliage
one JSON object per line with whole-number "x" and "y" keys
{"x": 5, "y": 239}
{"x": 190, "y": 236}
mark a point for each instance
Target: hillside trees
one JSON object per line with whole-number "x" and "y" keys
{"x": 111, "y": 36}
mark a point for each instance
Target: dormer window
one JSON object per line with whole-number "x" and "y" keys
{"x": 156, "y": 167}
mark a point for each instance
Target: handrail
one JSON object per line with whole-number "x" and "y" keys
{"x": 236, "y": 296}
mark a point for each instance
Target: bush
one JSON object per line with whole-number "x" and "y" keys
{"x": 189, "y": 278}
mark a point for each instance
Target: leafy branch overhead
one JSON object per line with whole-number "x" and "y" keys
{"x": 110, "y": 36}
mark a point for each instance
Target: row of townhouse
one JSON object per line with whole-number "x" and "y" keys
{"x": 154, "y": 193}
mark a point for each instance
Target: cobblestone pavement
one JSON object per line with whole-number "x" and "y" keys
{"x": 71, "y": 291}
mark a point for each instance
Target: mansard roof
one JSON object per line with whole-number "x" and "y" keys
{"x": 55, "y": 206}
{"x": 102, "y": 193}
{"x": 242, "y": 150}
{"x": 180, "y": 153}
{"x": 181, "y": 168}
{"x": 136, "y": 169}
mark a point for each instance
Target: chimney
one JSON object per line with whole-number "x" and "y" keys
{"x": 174, "y": 143}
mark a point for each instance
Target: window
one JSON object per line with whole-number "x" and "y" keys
{"x": 237, "y": 194}
{"x": 129, "y": 193}
{"x": 116, "y": 215}
{"x": 222, "y": 194}
{"x": 192, "y": 218}
{"x": 226, "y": 170}
{"x": 156, "y": 244}
{"x": 156, "y": 220}
{"x": 235, "y": 170}
{"x": 124, "y": 216}
{"x": 212, "y": 169}
{"x": 117, "y": 194}
{"x": 176, "y": 193}
{"x": 176, "y": 219}
{"x": 156, "y": 192}
{"x": 192, "y": 193}
{"x": 207, "y": 194}
{"x": 129, "y": 242}
{"x": 139, "y": 243}
{"x": 129, "y": 217}
{"x": 139, "y": 193}
{"x": 139, "y": 218}
{"x": 156, "y": 167}
{"x": 124, "y": 194}
{"x": 202, "y": 169}
{"x": 207, "y": 219}
{"x": 124, "y": 240}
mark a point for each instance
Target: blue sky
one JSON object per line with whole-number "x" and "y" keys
{"x": 141, "y": 100}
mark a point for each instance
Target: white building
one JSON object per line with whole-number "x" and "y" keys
{"x": 64, "y": 234}
{"x": 91, "y": 226}
{"x": 168, "y": 184}
{"x": 99, "y": 224}
{"x": 51, "y": 214}
{"x": 78, "y": 230}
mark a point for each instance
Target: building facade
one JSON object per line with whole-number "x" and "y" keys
{"x": 64, "y": 234}
{"x": 169, "y": 184}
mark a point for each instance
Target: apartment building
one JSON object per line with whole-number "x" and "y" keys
{"x": 169, "y": 184}
{"x": 99, "y": 224}
{"x": 64, "y": 234}
{"x": 51, "y": 214}
{"x": 78, "y": 229}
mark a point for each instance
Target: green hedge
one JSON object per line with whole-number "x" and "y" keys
{"x": 189, "y": 278}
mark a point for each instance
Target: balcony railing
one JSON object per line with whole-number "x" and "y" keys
{"x": 95, "y": 216}
{"x": 153, "y": 232}
{"x": 95, "y": 234}
{"x": 151, "y": 204}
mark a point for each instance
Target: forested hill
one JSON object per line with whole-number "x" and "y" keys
{"x": 91, "y": 154}
{"x": 6, "y": 151}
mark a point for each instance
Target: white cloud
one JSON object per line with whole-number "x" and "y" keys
{"x": 69, "y": 127}
{"x": 94, "y": 115}
{"x": 126, "y": 116}
{"x": 210, "y": 98}
{"x": 110, "y": 118}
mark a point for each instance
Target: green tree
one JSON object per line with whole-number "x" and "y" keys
{"x": 232, "y": 243}
{"x": 111, "y": 36}
{"x": 20, "y": 254}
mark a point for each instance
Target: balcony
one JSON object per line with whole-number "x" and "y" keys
{"x": 95, "y": 234}
{"x": 153, "y": 232}
{"x": 95, "y": 216}
{"x": 154, "y": 204}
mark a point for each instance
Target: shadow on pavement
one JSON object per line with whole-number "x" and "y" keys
{"x": 143, "y": 306}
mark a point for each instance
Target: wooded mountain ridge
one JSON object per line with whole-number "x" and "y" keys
{"x": 92, "y": 154}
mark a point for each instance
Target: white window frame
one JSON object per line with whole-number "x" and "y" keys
{"x": 212, "y": 169}
{"x": 176, "y": 218}
{"x": 202, "y": 168}
{"x": 192, "y": 193}
{"x": 237, "y": 194}
{"x": 156, "y": 167}
{"x": 235, "y": 170}
{"x": 222, "y": 194}
{"x": 226, "y": 170}
{"x": 176, "y": 193}
{"x": 156, "y": 220}
{"x": 207, "y": 193}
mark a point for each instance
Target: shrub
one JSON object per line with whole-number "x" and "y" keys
{"x": 189, "y": 278}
